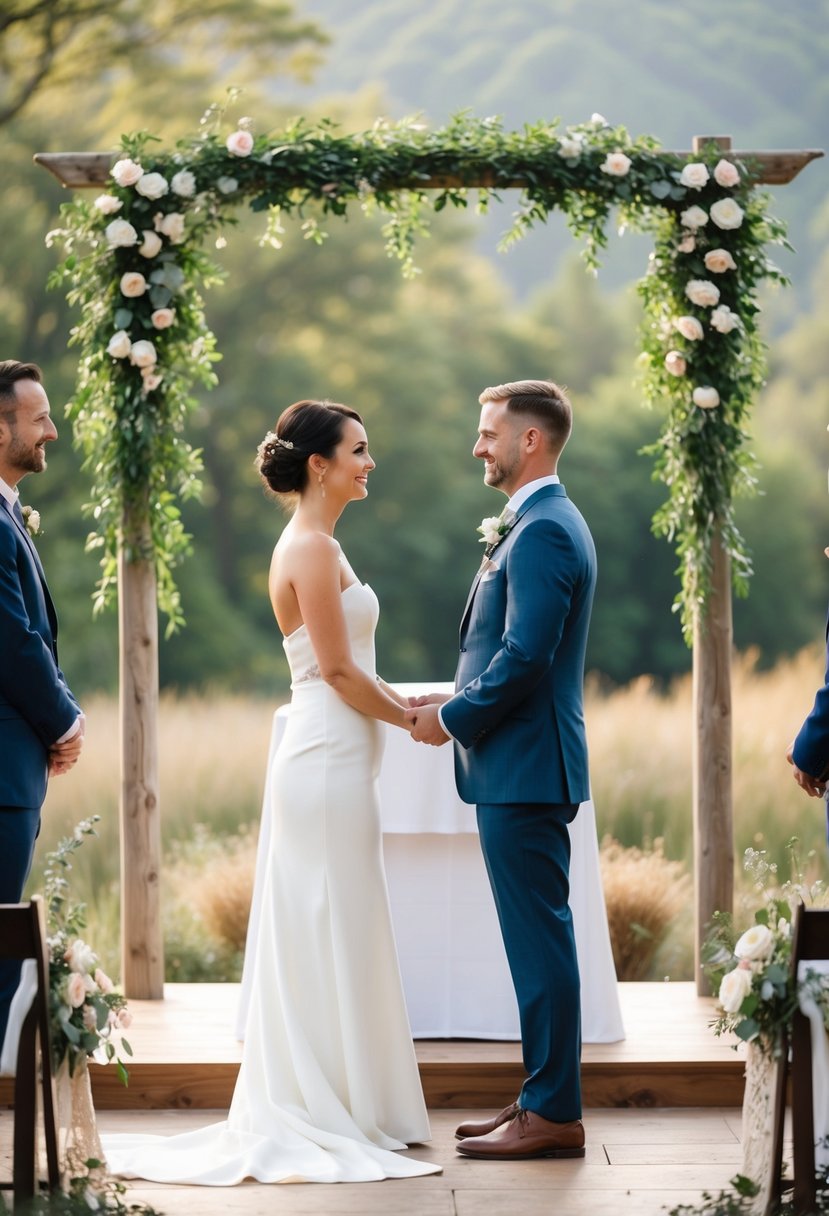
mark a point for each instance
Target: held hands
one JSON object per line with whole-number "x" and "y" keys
{"x": 63, "y": 756}
{"x": 423, "y": 721}
{"x": 809, "y": 785}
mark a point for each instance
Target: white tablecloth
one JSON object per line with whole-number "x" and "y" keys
{"x": 452, "y": 959}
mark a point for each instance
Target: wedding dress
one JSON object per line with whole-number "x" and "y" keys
{"x": 328, "y": 1088}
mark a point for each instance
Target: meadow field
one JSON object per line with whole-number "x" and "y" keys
{"x": 213, "y": 752}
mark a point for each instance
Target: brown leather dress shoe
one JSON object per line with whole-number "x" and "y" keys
{"x": 524, "y": 1136}
{"x": 484, "y": 1126}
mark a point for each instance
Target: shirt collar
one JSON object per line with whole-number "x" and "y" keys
{"x": 523, "y": 492}
{"x": 10, "y": 493}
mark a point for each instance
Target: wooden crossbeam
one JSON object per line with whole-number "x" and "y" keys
{"x": 81, "y": 170}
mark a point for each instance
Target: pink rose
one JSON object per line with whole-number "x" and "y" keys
{"x": 133, "y": 284}
{"x": 726, "y": 174}
{"x": 675, "y": 363}
{"x": 123, "y": 1019}
{"x": 687, "y": 245}
{"x": 151, "y": 244}
{"x": 719, "y": 260}
{"x": 75, "y": 990}
{"x": 103, "y": 981}
{"x": 90, "y": 1018}
{"x": 239, "y": 143}
{"x": 690, "y": 328}
{"x": 172, "y": 225}
{"x": 163, "y": 318}
{"x": 616, "y": 164}
{"x": 151, "y": 379}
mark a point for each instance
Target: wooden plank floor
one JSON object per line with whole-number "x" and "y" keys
{"x": 186, "y": 1055}
{"x": 638, "y": 1163}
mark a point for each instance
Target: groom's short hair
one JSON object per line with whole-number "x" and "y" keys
{"x": 542, "y": 400}
{"x": 11, "y": 370}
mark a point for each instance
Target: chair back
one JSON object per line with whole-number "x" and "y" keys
{"x": 23, "y": 938}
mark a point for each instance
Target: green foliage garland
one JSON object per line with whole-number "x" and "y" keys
{"x": 134, "y": 263}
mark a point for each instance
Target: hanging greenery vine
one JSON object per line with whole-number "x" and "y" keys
{"x": 134, "y": 264}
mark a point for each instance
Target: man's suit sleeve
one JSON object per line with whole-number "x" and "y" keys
{"x": 543, "y": 567}
{"x": 811, "y": 747}
{"x": 30, "y": 680}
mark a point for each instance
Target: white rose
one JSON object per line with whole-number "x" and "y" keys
{"x": 120, "y": 232}
{"x": 184, "y": 184}
{"x": 706, "y": 398}
{"x": 75, "y": 990}
{"x": 127, "y": 172}
{"x": 163, "y": 318}
{"x": 107, "y": 204}
{"x": 756, "y": 943}
{"x": 32, "y": 518}
{"x": 569, "y": 147}
{"x": 245, "y": 124}
{"x": 490, "y": 530}
{"x": 151, "y": 245}
{"x": 90, "y": 1018}
{"x": 675, "y": 363}
{"x": 724, "y": 320}
{"x": 172, "y": 225}
{"x": 119, "y": 345}
{"x": 727, "y": 214}
{"x": 694, "y": 175}
{"x": 143, "y": 353}
{"x": 616, "y": 164}
{"x": 599, "y": 120}
{"x": 227, "y": 185}
{"x": 693, "y": 218}
{"x": 726, "y": 174}
{"x": 702, "y": 292}
{"x": 152, "y": 185}
{"x": 79, "y": 956}
{"x": 690, "y": 328}
{"x": 133, "y": 284}
{"x": 239, "y": 143}
{"x": 687, "y": 245}
{"x": 734, "y": 989}
{"x": 719, "y": 260}
{"x": 151, "y": 379}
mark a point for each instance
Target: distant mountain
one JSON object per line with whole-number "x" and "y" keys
{"x": 754, "y": 69}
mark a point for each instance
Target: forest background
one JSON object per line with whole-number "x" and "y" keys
{"x": 339, "y": 321}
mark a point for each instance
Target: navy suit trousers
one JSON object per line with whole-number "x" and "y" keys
{"x": 19, "y": 827}
{"x": 527, "y": 853}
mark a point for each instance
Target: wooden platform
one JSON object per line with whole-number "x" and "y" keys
{"x": 186, "y": 1056}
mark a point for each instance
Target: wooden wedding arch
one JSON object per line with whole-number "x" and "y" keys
{"x": 137, "y": 582}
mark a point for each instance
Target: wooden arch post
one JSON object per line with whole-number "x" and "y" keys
{"x": 141, "y": 935}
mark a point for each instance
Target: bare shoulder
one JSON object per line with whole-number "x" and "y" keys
{"x": 303, "y": 552}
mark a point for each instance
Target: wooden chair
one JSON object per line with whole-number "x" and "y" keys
{"x": 810, "y": 942}
{"x": 23, "y": 937}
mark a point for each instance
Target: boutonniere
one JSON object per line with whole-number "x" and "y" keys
{"x": 31, "y": 519}
{"x": 495, "y": 527}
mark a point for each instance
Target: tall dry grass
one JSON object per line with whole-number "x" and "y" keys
{"x": 213, "y": 753}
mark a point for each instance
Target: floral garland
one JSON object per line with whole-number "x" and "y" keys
{"x": 757, "y": 992}
{"x": 87, "y": 1014}
{"x": 135, "y": 266}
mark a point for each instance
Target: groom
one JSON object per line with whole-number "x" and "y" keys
{"x": 41, "y": 726}
{"x": 520, "y": 751}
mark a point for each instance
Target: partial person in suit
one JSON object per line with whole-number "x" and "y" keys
{"x": 517, "y": 722}
{"x": 41, "y": 724}
{"x": 808, "y": 753}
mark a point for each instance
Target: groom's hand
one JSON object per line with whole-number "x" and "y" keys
{"x": 810, "y": 785}
{"x": 425, "y": 723}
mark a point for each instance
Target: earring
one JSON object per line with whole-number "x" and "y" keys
{"x": 321, "y": 484}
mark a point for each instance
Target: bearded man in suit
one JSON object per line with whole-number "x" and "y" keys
{"x": 41, "y": 724}
{"x": 517, "y": 722}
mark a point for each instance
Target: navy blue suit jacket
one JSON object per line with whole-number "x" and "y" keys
{"x": 518, "y": 714}
{"x": 811, "y": 747}
{"x": 36, "y": 706}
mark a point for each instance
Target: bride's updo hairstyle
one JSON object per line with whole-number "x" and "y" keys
{"x": 306, "y": 428}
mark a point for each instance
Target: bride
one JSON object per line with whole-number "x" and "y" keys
{"x": 328, "y": 1088}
